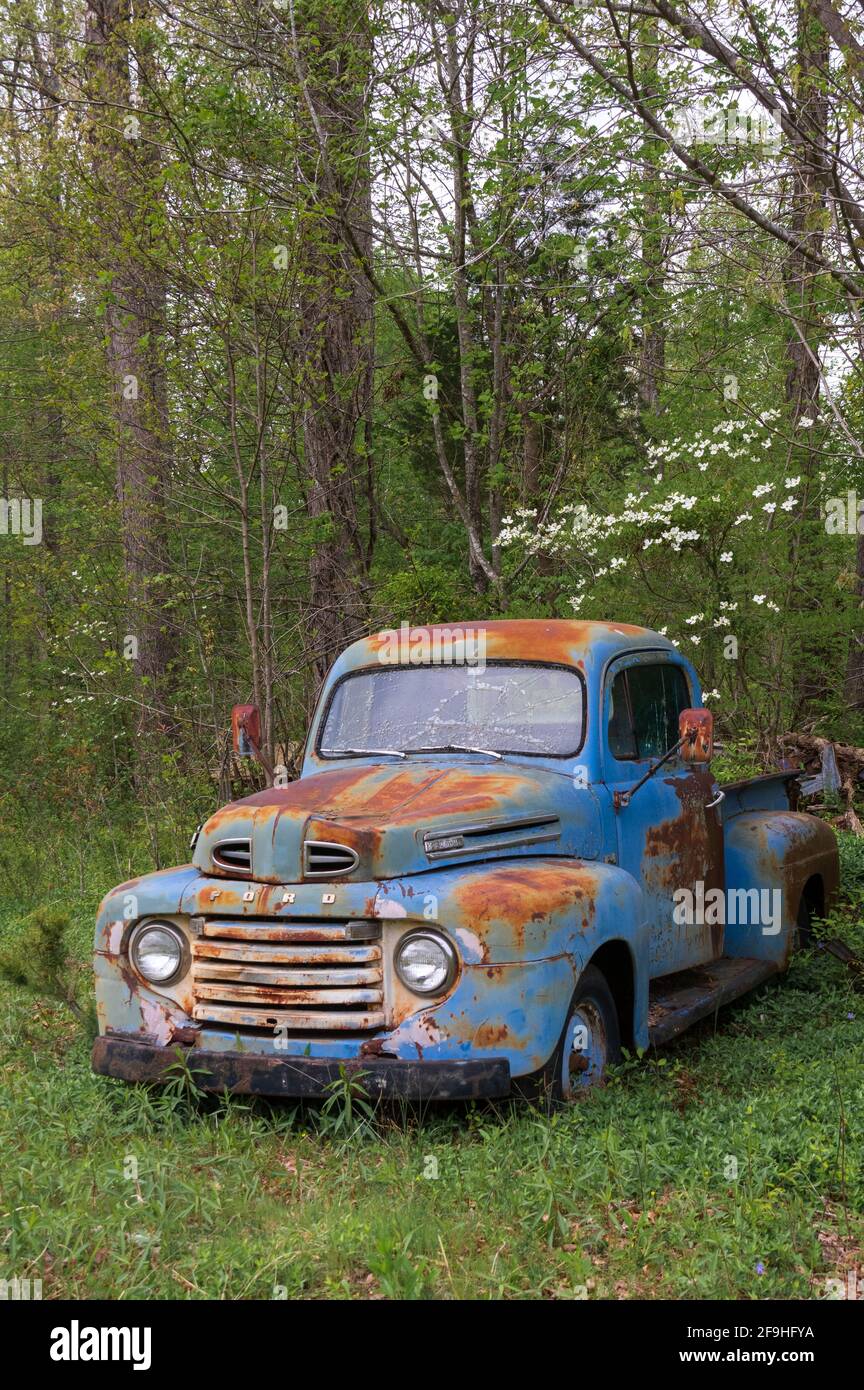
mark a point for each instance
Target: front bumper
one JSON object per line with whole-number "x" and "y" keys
{"x": 246, "y": 1073}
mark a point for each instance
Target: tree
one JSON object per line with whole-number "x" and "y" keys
{"x": 127, "y": 212}
{"x": 331, "y": 46}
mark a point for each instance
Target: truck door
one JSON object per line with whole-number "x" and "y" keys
{"x": 669, "y": 836}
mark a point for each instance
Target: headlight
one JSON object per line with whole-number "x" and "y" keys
{"x": 425, "y": 963}
{"x": 158, "y": 952}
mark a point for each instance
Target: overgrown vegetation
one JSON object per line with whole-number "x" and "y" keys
{"x": 322, "y": 315}
{"x": 728, "y": 1166}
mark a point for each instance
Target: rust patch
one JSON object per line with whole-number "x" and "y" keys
{"x": 364, "y": 839}
{"x": 462, "y": 792}
{"x": 491, "y": 1034}
{"x": 188, "y": 1036}
{"x": 688, "y": 848}
{"x": 560, "y": 640}
{"x": 376, "y": 1047}
{"x": 208, "y": 898}
{"x": 341, "y": 791}
{"x": 238, "y": 992}
{"x": 448, "y": 791}
{"x": 520, "y": 895}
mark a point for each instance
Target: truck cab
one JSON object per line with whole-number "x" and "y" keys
{"x": 506, "y": 857}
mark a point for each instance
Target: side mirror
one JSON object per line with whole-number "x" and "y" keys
{"x": 696, "y": 729}
{"x": 246, "y": 730}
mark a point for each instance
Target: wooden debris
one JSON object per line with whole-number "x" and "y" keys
{"x": 831, "y": 768}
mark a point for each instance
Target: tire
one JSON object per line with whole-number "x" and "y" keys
{"x": 803, "y": 926}
{"x": 590, "y": 1041}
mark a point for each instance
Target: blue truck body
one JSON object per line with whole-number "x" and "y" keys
{"x": 577, "y": 900}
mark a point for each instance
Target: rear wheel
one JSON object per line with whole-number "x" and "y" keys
{"x": 804, "y": 925}
{"x": 590, "y": 1042}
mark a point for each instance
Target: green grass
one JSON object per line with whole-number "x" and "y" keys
{"x": 108, "y": 1191}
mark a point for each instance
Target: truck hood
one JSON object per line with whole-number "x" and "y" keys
{"x": 374, "y": 822}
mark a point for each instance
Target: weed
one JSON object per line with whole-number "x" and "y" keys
{"x": 347, "y": 1109}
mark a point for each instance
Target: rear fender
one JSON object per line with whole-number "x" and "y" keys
{"x": 770, "y": 856}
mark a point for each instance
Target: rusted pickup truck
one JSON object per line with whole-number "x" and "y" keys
{"x": 505, "y": 858}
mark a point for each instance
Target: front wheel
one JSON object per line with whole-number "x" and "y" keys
{"x": 590, "y": 1042}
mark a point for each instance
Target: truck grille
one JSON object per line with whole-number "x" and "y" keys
{"x": 298, "y": 976}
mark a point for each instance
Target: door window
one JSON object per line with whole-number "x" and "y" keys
{"x": 643, "y": 711}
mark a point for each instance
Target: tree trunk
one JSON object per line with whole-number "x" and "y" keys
{"x": 338, "y": 312}
{"x": 652, "y": 347}
{"x": 855, "y": 663}
{"x": 123, "y": 166}
{"x": 815, "y": 677}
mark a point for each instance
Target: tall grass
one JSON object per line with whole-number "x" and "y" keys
{"x": 730, "y": 1166}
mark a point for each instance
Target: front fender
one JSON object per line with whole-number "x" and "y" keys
{"x": 123, "y": 1001}
{"x": 525, "y": 932}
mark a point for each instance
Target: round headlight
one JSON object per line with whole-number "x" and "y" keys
{"x": 157, "y": 951}
{"x": 425, "y": 963}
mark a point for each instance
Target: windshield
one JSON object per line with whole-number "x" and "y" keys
{"x": 503, "y": 707}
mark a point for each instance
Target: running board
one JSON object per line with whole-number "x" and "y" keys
{"x": 677, "y": 1001}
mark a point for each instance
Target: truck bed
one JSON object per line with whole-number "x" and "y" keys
{"x": 773, "y": 791}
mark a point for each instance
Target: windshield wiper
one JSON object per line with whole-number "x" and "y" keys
{"x": 457, "y": 748}
{"x": 361, "y": 752}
